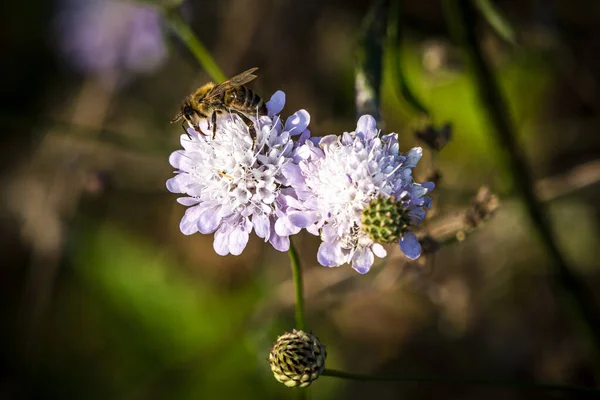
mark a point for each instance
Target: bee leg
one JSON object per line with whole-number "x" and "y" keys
{"x": 185, "y": 130}
{"x": 214, "y": 124}
{"x": 251, "y": 127}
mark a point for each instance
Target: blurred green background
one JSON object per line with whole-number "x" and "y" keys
{"x": 103, "y": 297}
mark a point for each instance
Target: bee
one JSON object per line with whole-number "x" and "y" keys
{"x": 212, "y": 100}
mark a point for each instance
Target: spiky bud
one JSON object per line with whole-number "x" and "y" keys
{"x": 297, "y": 358}
{"x": 384, "y": 219}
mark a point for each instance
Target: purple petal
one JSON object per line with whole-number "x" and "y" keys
{"x": 180, "y": 160}
{"x": 238, "y": 239}
{"x": 221, "y": 242}
{"x": 189, "y": 222}
{"x": 379, "y": 250}
{"x": 428, "y": 185}
{"x": 281, "y": 243}
{"x": 410, "y": 246}
{"x": 276, "y": 103}
{"x": 363, "y": 260}
{"x": 293, "y": 173}
{"x": 367, "y": 127}
{"x": 413, "y": 157}
{"x": 302, "y": 219}
{"x": 188, "y": 201}
{"x": 209, "y": 220}
{"x": 179, "y": 183}
{"x": 285, "y": 227}
{"x": 297, "y": 122}
{"x": 261, "y": 225}
{"x": 330, "y": 255}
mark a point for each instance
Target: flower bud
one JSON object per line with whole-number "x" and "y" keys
{"x": 297, "y": 358}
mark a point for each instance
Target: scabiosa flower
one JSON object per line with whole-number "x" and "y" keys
{"x": 107, "y": 36}
{"x": 341, "y": 182}
{"x": 233, "y": 185}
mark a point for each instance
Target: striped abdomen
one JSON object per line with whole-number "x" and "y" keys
{"x": 245, "y": 100}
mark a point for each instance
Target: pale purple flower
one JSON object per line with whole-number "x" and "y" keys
{"x": 336, "y": 177}
{"x": 107, "y": 36}
{"x": 233, "y": 186}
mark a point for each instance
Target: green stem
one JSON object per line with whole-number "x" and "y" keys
{"x": 497, "y": 21}
{"x": 461, "y": 18}
{"x": 394, "y": 40}
{"x": 460, "y": 381}
{"x": 298, "y": 286}
{"x": 194, "y": 45}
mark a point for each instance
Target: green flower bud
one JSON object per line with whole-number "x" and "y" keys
{"x": 297, "y": 359}
{"x": 384, "y": 219}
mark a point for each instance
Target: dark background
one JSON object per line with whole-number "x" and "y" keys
{"x": 103, "y": 297}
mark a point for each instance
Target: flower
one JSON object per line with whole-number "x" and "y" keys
{"x": 297, "y": 358}
{"x": 337, "y": 178}
{"x": 104, "y": 36}
{"x": 233, "y": 185}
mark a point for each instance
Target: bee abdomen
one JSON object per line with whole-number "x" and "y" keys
{"x": 253, "y": 103}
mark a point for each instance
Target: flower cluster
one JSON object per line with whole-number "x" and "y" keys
{"x": 235, "y": 184}
{"x": 107, "y": 36}
{"x": 355, "y": 191}
{"x": 337, "y": 178}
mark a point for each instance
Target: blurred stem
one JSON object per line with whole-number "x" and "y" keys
{"x": 369, "y": 61}
{"x": 461, "y": 18}
{"x": 497, "y": 21}
{"x": 401, "y": 85}
{"x": 194, "y": 45}
{"x": 298, "y": 286}
{"x": 460, "y": 381}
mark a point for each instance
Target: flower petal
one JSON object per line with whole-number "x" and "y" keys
{"x": 362, "y": 260}
{"x": 379, "y": 250}
{"x": 330, "y": 254}
{"x": 209, "y": 220}
{"x": 297, "y": 122}
{"x": 428, "y": 185}
{"x": 179, "y": 183}
{"x": 221, "y": 241}
{"x": 281, "y": 243}
{"x": 276, "y": 103}
{"x": 181, "y": 160}
{"x": 413, "y": 157}
{"x": 410, "y": 246}
{"x": 189, "y": 222}
{"x": 366, "y": 127}
{"x": 238, "y": 239}
{"x": 285, "y": 227}
{"x": 188, "y": 201}
{"x": 303, "y": 219}
{"x": 261, "y": 225}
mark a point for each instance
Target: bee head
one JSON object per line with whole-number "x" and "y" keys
{"x": 186, "y": 112}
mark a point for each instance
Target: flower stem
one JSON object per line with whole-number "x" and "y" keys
{"x": 194, "y": 45}
{"x": 497, "y": 21}
{"x": 394, "y": 41}
{"x": 298, "y": 286}
{"x": 461, "y": 381}
{"x": 461, "y": 18}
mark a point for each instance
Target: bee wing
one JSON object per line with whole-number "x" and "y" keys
{"x": 236, "y": 81}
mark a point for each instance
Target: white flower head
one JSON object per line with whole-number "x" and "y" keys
{"x": 337, "y": 177}
{"x": 235, "y": 185}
